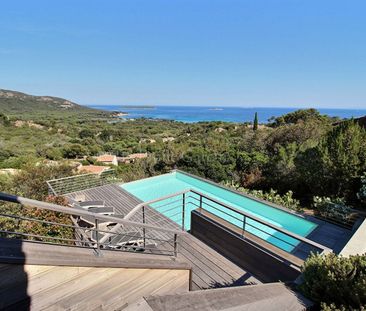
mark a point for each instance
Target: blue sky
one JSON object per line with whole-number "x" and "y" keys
{"x": 285, "y": 53}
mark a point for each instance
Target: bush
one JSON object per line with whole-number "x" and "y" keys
{"x": 334, "y": 281}
{"x": 74, "y": 151}
{"x": 32, "y": 227}
{"x": 362, "y": 193}
{"x": 31, "y": 181}
{"x": 332, "y": 208}
{"x": 286, "y": 200}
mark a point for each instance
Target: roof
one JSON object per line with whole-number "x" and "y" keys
{"x": 137, "y": 155}
{"x": 106, "y": 158}
{"x": 95, "y": 169}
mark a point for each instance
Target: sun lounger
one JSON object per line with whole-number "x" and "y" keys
{"x": 91, "y": 204}
{"x": 85, "y": 204}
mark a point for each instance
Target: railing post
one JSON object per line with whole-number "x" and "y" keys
{"x": 201, "y": 204}
{"x": 175, "y": 245}
{"x": 143, "y": 229}
{"x": 97, "y": 237}
{"x": 183, "y": 210}
{"x": 244, "y": 223}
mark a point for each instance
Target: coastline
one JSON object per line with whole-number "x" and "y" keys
{"x": 194, "y": 114}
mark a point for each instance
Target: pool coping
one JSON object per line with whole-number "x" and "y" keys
{"x": 248, "y": 196}
{"x": 274, "y": 205}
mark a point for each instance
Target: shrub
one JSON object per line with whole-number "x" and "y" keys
{"x": 31, "y": 181}
{"x": 74, "y": 151}
{"x": 286, "y": 200}
{"x": 362, "y": 193}
{"x": 53, "y": 231}
{"x": 332, "y": 208}
{"x": 334, "y": 281}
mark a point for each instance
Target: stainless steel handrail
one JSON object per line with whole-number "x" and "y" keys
{"x": 79, "y": 212}
{"x": 138, "y": 206}
{"x": 284, "y": 231}
{"x": 240, "y": 212}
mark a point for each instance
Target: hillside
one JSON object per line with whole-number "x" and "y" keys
{"x": 26, "y": 106}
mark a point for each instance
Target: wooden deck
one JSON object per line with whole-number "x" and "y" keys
{"x": 327, "y": 234}
{"x": 209, "y": 268}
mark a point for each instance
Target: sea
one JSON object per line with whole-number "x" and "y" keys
{"x": 190, "y": 114}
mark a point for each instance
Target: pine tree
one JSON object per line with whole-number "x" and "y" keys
{"x": 255, "y": 123}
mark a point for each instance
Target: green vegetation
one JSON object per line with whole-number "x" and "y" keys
{"x": 303, "y": 152}
{"x": 30, "y": 182}
{"x": 299, "y": 159}
{"x": 286, "y": 200}
{"x": 335, "y": 209}
{"x": 14, "y": 104}
{"x": 255, "y": 122}
{"x": 335, "y": 282}
{"x": 362, "y": 193}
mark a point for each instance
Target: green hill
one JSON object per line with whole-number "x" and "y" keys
{"x": 17, "y": 104}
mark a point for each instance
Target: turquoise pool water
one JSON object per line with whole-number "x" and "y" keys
{"x": 159, "y": 186}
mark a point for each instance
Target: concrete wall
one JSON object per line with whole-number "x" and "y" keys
{"x": 245, "y": 253}
{"x": 357, "y": 243}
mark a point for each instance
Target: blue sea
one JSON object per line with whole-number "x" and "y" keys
{"x": 191, "y": 114}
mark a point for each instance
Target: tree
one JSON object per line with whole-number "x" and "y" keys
{"x": 362, "y": 193}
{"x": 334, "y": 167}
{"x": 301, "y": 115}
{"x": 74, "y": 151}
{"x": 4, "y": 120}
{"x": 105, "y": 135}
{"x": 343, "y": 155}
{"x": 249, "y": 167}
{"x": 255, "y": 123}
{"x": 85, "y": 133}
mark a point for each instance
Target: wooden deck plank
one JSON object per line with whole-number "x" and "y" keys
{"x": 209, "y": 267}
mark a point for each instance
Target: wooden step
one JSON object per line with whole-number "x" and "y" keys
{"x": 264, "y": 297}
{"x": 86, "y": 288}
{"x": 26, "y": 252}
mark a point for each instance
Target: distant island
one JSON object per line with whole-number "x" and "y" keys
{"x": 138, "y": 107}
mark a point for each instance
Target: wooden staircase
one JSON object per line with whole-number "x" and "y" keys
{"x": 83, "y": 288}
{"x": 264, "y": 297}
{"x": 49, "y": 277}
{"x": 38, "y": 276}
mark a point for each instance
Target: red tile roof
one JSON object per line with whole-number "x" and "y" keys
{"x": 106, "y": 158}
{"x": 95, "y": 169}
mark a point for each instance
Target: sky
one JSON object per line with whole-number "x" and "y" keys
{"x": 250, "y": 53}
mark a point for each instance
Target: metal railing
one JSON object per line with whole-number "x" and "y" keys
{"x": 178, "y": 207}
{"x": 150, "y": 223}
{"x": 75, "y": 183}
{"x": 132, "y": 237}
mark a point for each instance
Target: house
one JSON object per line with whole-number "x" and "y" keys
{"x": 108, "y": 159}
{"x": 147, "y": 141}
{"x": 133, "y": 157}
{"x": 220, "y": 129}
{"x": 93, "y": 169}
{"x": 168, "y": 139}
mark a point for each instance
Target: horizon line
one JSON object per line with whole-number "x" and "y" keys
{"x": 215, "y": 106}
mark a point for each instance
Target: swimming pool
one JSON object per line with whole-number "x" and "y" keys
{"x": 159, "y": 186}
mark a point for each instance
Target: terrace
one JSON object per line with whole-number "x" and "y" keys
{"x": 196, "y": 229}
{"x": 214, "y": 265}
